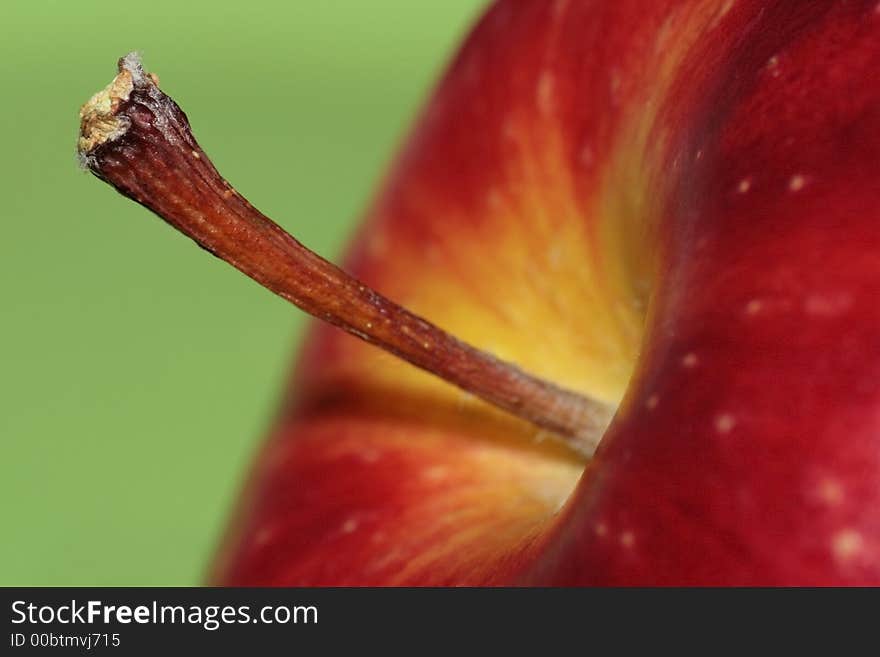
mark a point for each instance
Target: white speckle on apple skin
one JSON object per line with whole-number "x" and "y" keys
{"x": 690, "y": 360}
{"x": 263, "y": 535}
{"x": 627, "y": 540}
{"x": 724, "y": 423}
{"x": 464, "y": 399}
{"x": 509, "y": 129}
{"x": 722, "y": 12}
{"x": 601, "y": 529}
{"x": 369, "y": 456}
{"x": 435, "y": 473}
{"x": 797, "y": 182}
{"x": 661, "y": 41}
{"x": 494, "y": 200}
{"x": 540, "y": 437}
{"x": 349, "y": 526}
{"x": 744, "y": 185}
{"x": 846, "y": 544}
{"x": 652, "y": 402}
{"x": 830, "y": 492}
{"x": 827, "y": 305}
{"x": 559, "y": 7}
{"x": 773, "y": 66}
{"x": 544, "y": 93}
{"x": 614, "y": 85}
{"x": 753, "y": 307}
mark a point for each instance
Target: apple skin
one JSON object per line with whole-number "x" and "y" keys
{"x": 673, "y": 206}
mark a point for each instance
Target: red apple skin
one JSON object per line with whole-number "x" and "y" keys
{"x": 670, "y": 205}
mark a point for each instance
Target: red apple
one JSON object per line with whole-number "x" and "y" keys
{"x": 671, "y": 206}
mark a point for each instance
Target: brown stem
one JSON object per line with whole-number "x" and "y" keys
{"x": 138, "y": 140}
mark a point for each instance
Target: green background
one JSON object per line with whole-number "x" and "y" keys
{"x": 139, "y": 373}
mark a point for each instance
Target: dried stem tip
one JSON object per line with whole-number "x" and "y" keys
{"x": 138, "y": 140}
{"x": 99, "y": 118}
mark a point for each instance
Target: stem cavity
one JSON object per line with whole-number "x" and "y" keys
{"x": 138, "y": 140}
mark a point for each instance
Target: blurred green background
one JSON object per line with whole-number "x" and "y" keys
{"x": 139, "y": 373}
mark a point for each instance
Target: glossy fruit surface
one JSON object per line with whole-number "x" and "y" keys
{"x": 670, "y": 205}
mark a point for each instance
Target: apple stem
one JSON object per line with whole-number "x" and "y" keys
{"x": 138, "y": 140}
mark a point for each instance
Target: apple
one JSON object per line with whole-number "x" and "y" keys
{"x": 670, "y": 208}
